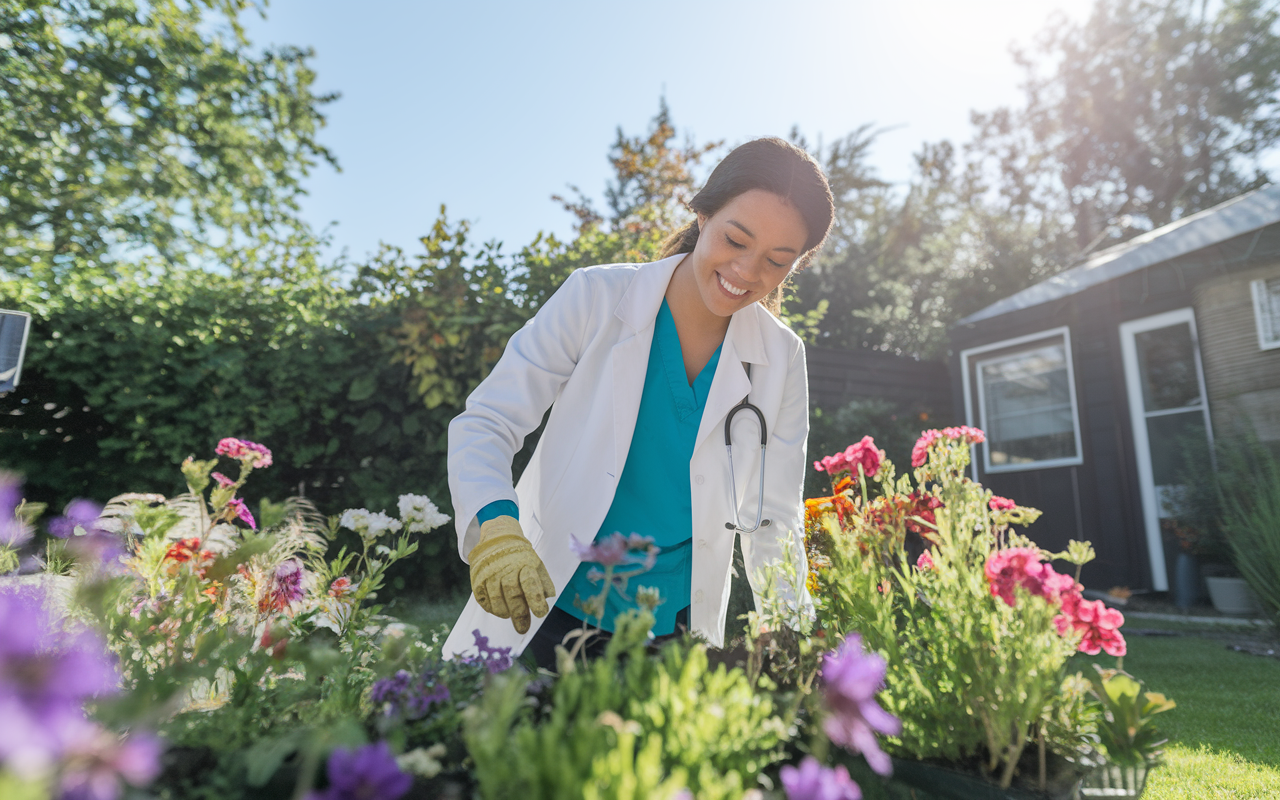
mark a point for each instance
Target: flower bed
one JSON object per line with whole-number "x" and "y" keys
{"x": 215, "y": 654}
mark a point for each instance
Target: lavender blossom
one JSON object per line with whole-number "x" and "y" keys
{"x": 403, "y": 694}
{"x": 812, "y": 781}
{"x": 80, "y": 514}
{"x": 616, "y": 550}
{"x": 369, "y": 773}
{"x": 852, "y": 679}
{"x": 496, "y": 659}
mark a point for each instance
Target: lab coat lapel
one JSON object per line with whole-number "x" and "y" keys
{"x": 742, "y": 343}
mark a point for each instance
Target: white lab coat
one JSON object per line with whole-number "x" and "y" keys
{"x": 584, "y": 355}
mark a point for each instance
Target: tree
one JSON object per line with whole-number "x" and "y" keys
{"x": 130, "y": 128}
{"x": 1149, "y": 111}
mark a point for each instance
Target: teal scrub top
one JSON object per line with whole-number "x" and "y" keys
{"x": 653, "y": 497}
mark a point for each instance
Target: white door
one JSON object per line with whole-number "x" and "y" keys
{"x": 1168, "y": 406}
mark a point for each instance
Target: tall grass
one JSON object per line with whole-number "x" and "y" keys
{"x": 1249, "y": 477}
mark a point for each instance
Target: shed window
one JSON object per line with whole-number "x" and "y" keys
{"x": 1266, "y": 307}
{"x": 1027, "y": 406}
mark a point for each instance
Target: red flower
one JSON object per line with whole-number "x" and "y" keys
{"x": 1001, "y": 504}
{"x": 182, "y": 550}
{"x": 922, "y": 506}
{"x": 340, "y": 587}
{"x": 1012, "y": 567}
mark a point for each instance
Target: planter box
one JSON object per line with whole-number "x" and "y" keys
{"x": 1233, "y": 596}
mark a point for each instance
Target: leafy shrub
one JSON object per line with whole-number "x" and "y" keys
{"x": 1249, "y": 480}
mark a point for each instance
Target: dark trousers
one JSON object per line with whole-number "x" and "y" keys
{"x": 542, "y": 647}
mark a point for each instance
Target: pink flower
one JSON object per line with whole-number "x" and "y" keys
{"x": 236, "y": 509}
{"x": 812, "y": 781}
{"x": 852, "y": 679}
{"x": 1001, "y": 504}
{"x": 864, "y": 453}
{"x": 615, "y": 550}
{"x": 222, "y": 480}
{"x": 832, "y": 464}
{"x": 1015, "y": 566}
{"x": 340, "y": 587}
{"x": 249, "y": 453}
{"x": 925, "y": 561}
{"x": 1095, "y": 622}
{"x": 965, "y": 434}
{"x": 920, "y": 453}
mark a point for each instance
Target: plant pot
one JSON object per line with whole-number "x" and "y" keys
{"x": 1186, "y": 581}
{"x": 1114, "y": 780}
{"x": 920, "y": 780}
{"x": 1233, "y": 596}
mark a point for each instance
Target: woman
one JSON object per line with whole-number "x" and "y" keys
{"x": 643, "y": 364}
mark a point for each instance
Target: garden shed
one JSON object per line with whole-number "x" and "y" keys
{"x": 1092, "y": 384}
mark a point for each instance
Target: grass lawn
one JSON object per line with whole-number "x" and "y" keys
{"x": 1225, "y": 733}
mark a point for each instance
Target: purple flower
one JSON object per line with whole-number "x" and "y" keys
{"x": 237, "y": 508}
{"x": 812, "y": 781}
{"x": 285, "y": 588}
{"x": 852, "y": 679}
{"x": 95, "y": 765}
{"x": 369, "y": 773}
{"x": 615, "y": 550}
{"x": 403, "y": 693}
{"x": 496, "y": 659}
{"x": 80, "y": 514}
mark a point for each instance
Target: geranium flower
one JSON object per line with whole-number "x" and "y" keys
{"x": 925, "y": 561}
{"x": 222, "y": 480}
{"x": 965, "y": 434}
{"x": 812, "y": 781}
{"x": 920, "y": 452}
{"x": 236, "y": 509}
{"x": 925, "y": 522}
{"x": 251, "y": 454}
{"x": 419, "y": 514}
{"x": 866, "y": 454}
{"x": 852, "y": 679}
{"x": 1001, "y": 504}
{"x": 367, "y": 773}
{"x": 1095, "y": 622}
{"x": 832, "y": 464}
{"x": 1015, "y": 566}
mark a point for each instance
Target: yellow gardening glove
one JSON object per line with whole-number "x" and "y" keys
{"x": 507, "y": 577}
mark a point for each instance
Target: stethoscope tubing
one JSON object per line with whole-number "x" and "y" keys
{"x": 736, "y": 525}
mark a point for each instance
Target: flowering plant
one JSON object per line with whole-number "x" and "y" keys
{"x": 975, "y": 624}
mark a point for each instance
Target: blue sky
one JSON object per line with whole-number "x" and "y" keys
{"x": 491, "y": 107}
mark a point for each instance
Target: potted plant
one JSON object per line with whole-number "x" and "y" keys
{"x": 1128, "y": 738}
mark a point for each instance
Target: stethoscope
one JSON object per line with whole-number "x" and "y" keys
{"x": 745, "y": 405}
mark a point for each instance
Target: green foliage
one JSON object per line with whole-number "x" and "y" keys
{"x": 625, "y": 726}
{"x": 894, "y": 427}
{"x": 149, "y": 127}
{"x": 1126, "y": 732}
{"x": 1250, "y": 484}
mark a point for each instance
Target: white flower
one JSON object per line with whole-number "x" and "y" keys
{"x": 380, "y": 523}
{"x": 423, "y": 763}
{"x": 356, "y": 519}
{"x": 420, "y": 515}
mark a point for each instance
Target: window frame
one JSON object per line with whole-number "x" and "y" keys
{"x": 968, "y": 363}
{"x": 1258, "y": 288}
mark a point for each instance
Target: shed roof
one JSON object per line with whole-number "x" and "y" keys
{"x": 1240, "y": 215}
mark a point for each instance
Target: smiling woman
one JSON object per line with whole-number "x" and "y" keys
{"x": 643, "y": 362}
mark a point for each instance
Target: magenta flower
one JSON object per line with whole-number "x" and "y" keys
{"x": 852, "y": 680}
{"x": 865, "y": 454}
{"x": 236, "y": 509}
{"x": 251, "y": 454}
{"x": 369, "y": 773}
{"x": 812, "y": 781}
{"x": 965, "y": 434}
{"x": 925, "y": 561}
{"x": 1016, "y": 566}
{"x": 222, "y": 480}
{"x": 920, "y": 453}
{"x": 1095, "y": 622}
{"x": 79, "y": 514}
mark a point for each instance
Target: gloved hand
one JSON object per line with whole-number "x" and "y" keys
{"x": 508, "y": 578}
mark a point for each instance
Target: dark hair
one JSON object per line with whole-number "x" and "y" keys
{"x": 776, "y": 166}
